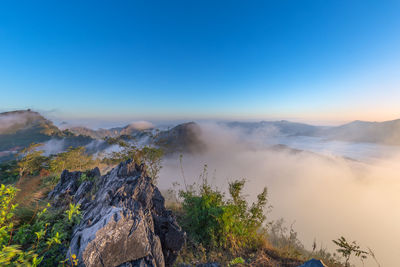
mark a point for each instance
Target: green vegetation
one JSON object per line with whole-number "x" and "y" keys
{"x": 238, "y": 260}
{"x": 38, "y": 240}
{"x": 220, "y": 228}
{"x": 31, "y": 160}
{"x": 72, "y": 159}
{"x": 216, "y": 222}
{"x": 73, "y": 213}
{"x": 9, "y": 172}
{"x": 31, "y": 232}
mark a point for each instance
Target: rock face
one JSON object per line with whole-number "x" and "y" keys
{"x": 124, "y": 220}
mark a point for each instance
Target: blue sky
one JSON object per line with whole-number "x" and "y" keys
{"x": 300, "y": 60}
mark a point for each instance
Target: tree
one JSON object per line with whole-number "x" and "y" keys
{"x": 347, "y": 249}
{"x": 74, "y": 159}
{"x": 31, "y": 161}
{"x": 148, "y": 155}
{"x": 152, "y": 157}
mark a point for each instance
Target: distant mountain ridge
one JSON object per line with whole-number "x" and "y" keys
{"x": 387, "y": 132}
{"x": 18, "y": 129}
{"x": 130, "y": 129}
{"x": 282, "y": 127}
{"x": 96, "y": 134}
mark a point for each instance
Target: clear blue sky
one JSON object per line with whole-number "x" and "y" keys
{"x": 313, "y": 60}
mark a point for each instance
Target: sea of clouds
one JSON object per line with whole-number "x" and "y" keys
{"x": 327, "y": 188}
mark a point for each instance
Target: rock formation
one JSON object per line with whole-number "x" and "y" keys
{"x": 124, "y": 220}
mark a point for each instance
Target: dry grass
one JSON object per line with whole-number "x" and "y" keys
{"x": 30, "y": 190}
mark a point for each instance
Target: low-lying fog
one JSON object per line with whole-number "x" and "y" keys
{"x": 326, "y": 194}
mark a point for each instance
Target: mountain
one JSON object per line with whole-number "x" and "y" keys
{"x": 131, "y": 129}
{"x": 95, "y": 134}
{"x": 181, "y": 138}
{"x": 282, "y": 127}
{"x": 387, "y": 132}
{"x": 20, "y": 128}
{"x": 184, "y": 137}
{"x": 19, "y": 120}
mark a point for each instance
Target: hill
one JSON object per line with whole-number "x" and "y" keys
{"x": 130, "y": 129}
{"x": 387, "y": 132}
{"x": 20, "y": 128}
{"x": 184, "y": 137}
{"x": 282, "y": 127}
{"x": 95, "y": 134}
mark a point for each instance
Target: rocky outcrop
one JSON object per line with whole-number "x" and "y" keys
{"x": 124, "y": 220}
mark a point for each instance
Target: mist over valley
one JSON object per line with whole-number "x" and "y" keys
{"x": 316, "y": 180}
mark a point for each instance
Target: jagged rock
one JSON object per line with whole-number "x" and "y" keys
{"x": 124, "y": 220}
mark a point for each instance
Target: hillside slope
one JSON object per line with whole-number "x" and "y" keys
{"x": 387, "y": 132}
{"x": 20, "y": 128}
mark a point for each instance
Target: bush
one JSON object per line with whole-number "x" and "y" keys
{"x": 9, "y": 172}
{"x": 219, "y": 223}
{"x": 285, "y": 240}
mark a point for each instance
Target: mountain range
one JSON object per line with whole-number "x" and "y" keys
{"x": 387, "y": 132}
{"x": 18, "y": 129}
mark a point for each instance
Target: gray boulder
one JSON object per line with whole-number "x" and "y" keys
{"x": 124, "y": 220}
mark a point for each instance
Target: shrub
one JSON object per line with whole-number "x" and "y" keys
{"x": 219, "y": 223}
{"x": 349, "y": 248}
{"x": 285, "y": 239}
{"x": 9, "y": 172}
